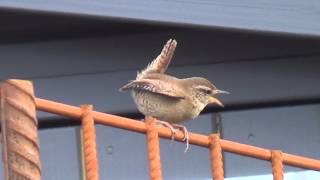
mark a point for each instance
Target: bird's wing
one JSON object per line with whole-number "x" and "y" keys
{"x": 160, "y": 64}
{"x": 155, "y": 86}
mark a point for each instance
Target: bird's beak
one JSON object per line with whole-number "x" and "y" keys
{"x": 217, "y": 91}
{"x": 213, "y": 100}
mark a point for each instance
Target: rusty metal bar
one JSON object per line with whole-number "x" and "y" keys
{"x": 89, "y": 143}
{"x": 153, "y": 149}
{"x": 83, "y": 163}
{"x": 19, "y": 131}
{"x": 196, "y": 139}
{"x": 216, "y": 158}
{"x": 277, "y": 164}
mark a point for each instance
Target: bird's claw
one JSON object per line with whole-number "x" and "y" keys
{"x": 174, "y": 132}
{"x": 186, "y": 135}
{"x": 171, "y": 127}
{"x": 174, "y": 129}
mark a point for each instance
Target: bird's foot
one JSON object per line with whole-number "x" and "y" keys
{"x": 171, "y": 127}
{"x": 186, "y": 134}
{"x": 174, "y": 129}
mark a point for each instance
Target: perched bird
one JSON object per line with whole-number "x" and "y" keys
{"x": 167, "y": 98}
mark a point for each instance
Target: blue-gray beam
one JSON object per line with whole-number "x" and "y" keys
{"x": 297, "y": 17}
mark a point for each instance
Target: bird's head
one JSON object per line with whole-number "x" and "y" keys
{"x": 205, "y": 92}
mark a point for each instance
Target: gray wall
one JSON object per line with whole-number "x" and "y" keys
{"x": 253, "y": 67}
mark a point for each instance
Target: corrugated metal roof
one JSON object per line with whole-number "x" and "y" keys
{"x": 294, "y": 16}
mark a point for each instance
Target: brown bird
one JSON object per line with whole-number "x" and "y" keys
{"x": 168, "y": 98}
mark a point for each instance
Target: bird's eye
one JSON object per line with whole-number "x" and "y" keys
{"x": 208, "y": 91}
{"x": 204, "y": 89}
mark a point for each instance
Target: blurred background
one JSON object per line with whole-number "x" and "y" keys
{"x": 266, "y": 53}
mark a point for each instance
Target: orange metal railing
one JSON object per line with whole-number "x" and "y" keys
{"x": 153, "y": 132}
{"x": 153, "y": 150}
{"x": 216, "y": 157}
{"x": 19, "y": 135}
{"x": 89, "y": 143}
{"x": 277, "y": 164}
{"x": 212, "y": 142}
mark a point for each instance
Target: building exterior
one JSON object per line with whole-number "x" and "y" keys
{"x": 265, "y": 53}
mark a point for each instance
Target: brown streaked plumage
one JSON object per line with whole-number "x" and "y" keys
{"x": 168, "y": 98}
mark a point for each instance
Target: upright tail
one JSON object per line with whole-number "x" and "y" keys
{"x": 161, "y": 63}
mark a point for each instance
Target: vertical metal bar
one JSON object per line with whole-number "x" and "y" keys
{"x": 83, "y": 163}
{"x": 89, "y": 143}
{"x": 153, "y": 149}
{"x": 21, "y": 152}
{"x": 277, "y": 164}
{"x": 216, "y": 158}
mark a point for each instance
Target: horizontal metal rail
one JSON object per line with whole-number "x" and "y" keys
{"x": 196, "y": 139}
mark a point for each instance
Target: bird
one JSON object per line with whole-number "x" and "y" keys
{"x": 169, "y": 99}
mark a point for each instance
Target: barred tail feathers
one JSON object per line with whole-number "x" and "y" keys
{"x": 161, "y": 63}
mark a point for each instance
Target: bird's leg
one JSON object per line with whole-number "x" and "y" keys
{"x": 174, "y": 128}
{"x": 165, "y": 124}
{"x": 168, "y": 125}
{"x": 185, "y": 132}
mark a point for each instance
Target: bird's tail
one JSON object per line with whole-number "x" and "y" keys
{"x": 161, "y": 63}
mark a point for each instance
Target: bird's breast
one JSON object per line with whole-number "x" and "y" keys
{"x": 163, "y": 107}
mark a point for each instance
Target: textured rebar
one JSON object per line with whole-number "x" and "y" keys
{"x": 89, "y": 143}
{"x": 21, "y": 152}
{"x": 277, "y": 164}
{"x": 196, "y": 139}
{"x": 153, "y": 149}
{"x": 216, "y": 158}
